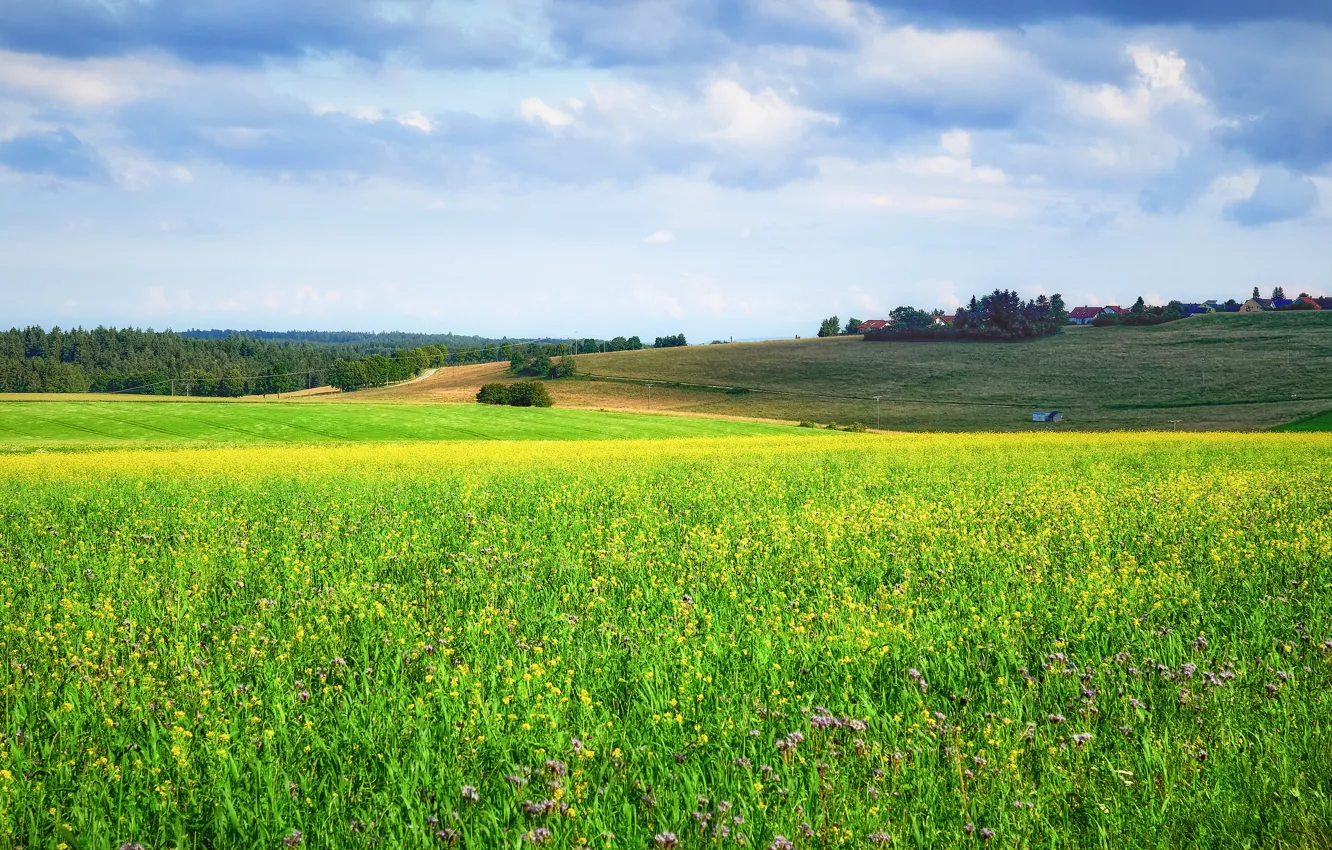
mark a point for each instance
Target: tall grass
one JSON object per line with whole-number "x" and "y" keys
{"x": 924, "y": 642}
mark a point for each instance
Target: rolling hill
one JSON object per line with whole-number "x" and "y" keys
{"x": 1215, "y": 372}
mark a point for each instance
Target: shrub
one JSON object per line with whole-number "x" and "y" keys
{"x": 529, "y": 394}
{"x": 856, "y": 428}
{"x": 807, "y": 425}
{"x": 493, "y": 394}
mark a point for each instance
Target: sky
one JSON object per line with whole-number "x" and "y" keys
{"x": 734, "y": 168}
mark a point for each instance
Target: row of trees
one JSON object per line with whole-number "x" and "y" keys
{"x": 831, "y": 327}
{"x": 115, "y": 360}
{"x": 364, "y": 343}
{"x": 675, "y": 341}
{"x": 521, "y": 394}
{"x": 378, "y": 370}
{"x": 1000, "y": 316}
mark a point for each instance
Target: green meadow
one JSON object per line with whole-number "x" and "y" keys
{"x": 32, "y": 425}
{"x": 874, "y": 641}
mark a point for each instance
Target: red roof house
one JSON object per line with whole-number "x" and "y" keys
{"x": 1083, "y": 315}
{"x": 872, "y": 325}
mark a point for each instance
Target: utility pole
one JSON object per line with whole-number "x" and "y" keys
{"x": 876, "y": 411}
{"x": 649, "y": 389}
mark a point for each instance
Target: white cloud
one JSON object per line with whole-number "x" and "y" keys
{"x": 85, "y": 84}
{"x": 956, "y": 143}
{"x": 1161, "y": 82}
{"x": 661, "y": 237}
{"x": 535, "y": 110}
{"x": 417, "y": 120}
{"x": 944, "y": 292}
{"x": 763, "y": 119}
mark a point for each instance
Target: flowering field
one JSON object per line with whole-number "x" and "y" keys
{"x": 1056, "y": 641}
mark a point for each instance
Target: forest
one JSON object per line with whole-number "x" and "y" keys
{"x": 133, "y": 360}
{"x": 230, "y": 363}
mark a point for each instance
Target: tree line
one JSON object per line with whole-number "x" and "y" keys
{"x": 387, "y": 343}
{"x": 129, "y": 359}
{"x": 226, "y": 363}
{"x": 830, "y": 327}
{"x": 1000, "y": 316}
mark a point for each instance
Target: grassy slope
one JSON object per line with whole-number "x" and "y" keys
{"x": 1321, "y": 422}
{"x": 52, "y": 424}
{"x": 1222, "y": 371}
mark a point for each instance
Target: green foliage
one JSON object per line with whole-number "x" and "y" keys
{"x": 852, "y": 327}
{"x": 214, "y": 651}
{"x": 493, "y": 394}
{"x": 565, "y": 367}
{"x": 111, "y": 360}
{"x": 910, "y": 319}
{"x": 829, "y": 327}
{"x": 999, "y": 316}
{"x": 533, "y": 361}
{"x": 529, "y": 394}
{"x": 355, "y": 342}
{"x": 676, "y": 341}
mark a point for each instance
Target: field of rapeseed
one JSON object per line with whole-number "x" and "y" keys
{"x": 771, "y": 643}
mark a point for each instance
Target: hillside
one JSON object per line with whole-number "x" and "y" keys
{"x": 1243, "y": 372}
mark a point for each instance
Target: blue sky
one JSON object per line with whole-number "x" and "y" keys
{"x": 595, "y": 167}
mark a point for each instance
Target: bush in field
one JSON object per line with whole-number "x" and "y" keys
{"x": 529, "y": 394}
{"x": 493, "y": 394}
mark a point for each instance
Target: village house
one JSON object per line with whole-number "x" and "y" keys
{"x": 1251, "y": 306}
{"x": 1083, "y": 315}
{"x": 872, "y": 325}
{"x": 1310, "y": 301}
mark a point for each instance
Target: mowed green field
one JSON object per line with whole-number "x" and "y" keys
{"x": 1321, "y": 422}
{"x": 924, "y": 641}
{"x": 1214, "y": 372}
{"x": 45, "y": 424}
